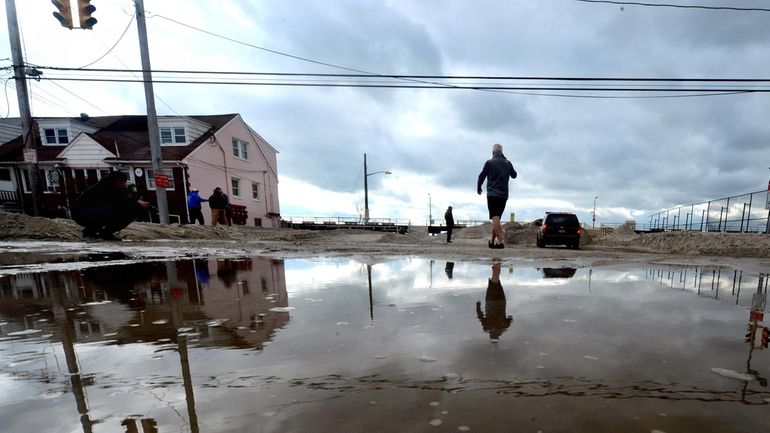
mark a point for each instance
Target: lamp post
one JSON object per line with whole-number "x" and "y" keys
{"x": 366, "y": 189}
{"x": 430, "y": 211}
{"x": 593, "y": 214}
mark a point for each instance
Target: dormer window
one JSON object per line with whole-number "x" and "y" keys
{"x": 56, "y": 136}
{"x": 172, "y": 135}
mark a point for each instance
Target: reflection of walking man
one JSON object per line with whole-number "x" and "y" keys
{"x": 496, "y": 171}
{"x": 493, "y": 318}
{"x": 450, "y": 223}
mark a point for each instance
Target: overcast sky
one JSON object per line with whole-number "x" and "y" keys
{"x": 638, "y": 155}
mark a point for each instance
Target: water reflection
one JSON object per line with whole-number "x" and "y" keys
{"x": 493, "y": 319}
{"x": 559, "y": 272}
{"x": 449, "y": 269}
{"x": 170, "y": 346}
{"x": 147, "y": 302}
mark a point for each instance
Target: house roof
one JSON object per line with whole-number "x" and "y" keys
{"x": 125, "y": 136}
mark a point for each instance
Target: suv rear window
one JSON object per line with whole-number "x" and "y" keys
{"x": 562, "y": 219}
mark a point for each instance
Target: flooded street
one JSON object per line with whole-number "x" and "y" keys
{"x": 407, "y": 345}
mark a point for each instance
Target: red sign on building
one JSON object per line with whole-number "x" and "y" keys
{"x": 161, "y": 181}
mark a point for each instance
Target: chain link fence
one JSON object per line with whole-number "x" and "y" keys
{"x": 744, "y": 213}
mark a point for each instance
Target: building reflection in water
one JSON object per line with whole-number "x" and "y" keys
{"x": 493, "y": 318}
{"x": 242, "y": 306}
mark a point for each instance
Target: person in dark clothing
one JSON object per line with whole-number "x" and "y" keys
{"x": 496, "y": 171}
{"x": 493, "y": 319}
{"x": 194, "y": 201}
{"x": 107, "y": 207}
{"x": 450, "y": 223}
{"x": 218, "y": 202}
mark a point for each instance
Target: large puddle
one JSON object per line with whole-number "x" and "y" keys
{"x": 411, "y": 345}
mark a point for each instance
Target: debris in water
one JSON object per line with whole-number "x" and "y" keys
{"x": 732, "y": 374}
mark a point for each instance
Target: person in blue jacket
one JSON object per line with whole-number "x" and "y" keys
{"x": 496, "y": 171}
{"x": 194, "y": 206}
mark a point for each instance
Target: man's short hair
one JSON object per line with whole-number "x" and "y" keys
{"x": 497, "y": 148}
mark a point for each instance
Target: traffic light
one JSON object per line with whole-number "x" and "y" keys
{"x": 750, "y": 333}
{"x": 65, "y": 13}
{"x": 85, "y": 9}
{"x": 763, "y": 339}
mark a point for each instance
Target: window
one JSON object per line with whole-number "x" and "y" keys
{"x": 5, "y": 174}
{"x": 170, "y": 135}
{"x": 56, "y": 136}
{"x": 255, "y": 190}
{"x": 51, "y": 180}
{"x": 151, "y": 179}
{"x": 236, "y": 187}
{"x": 240, "y": 149}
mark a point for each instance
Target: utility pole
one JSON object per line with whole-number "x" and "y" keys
{"x": 20, "y": 78}
{"x": 366, "y": 193}
{"x": 152, "y": 118}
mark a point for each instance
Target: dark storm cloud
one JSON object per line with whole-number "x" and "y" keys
{"x": 635, "y": 154}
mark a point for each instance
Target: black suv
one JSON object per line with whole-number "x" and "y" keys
{"x": 559, "y": 228}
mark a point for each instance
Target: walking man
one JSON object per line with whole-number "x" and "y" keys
{"x": 450, "y": 223}
{"x": 496, "y": 171}
{"x": 194, "y": 201}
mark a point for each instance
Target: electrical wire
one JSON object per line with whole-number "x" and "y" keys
{"x": 674, "y": 5}
{"x": 444, "y": 77}
{"x": 304, "y": 59}
{"x": 7, "y": 102}
{"x": 131, "y": 20}
{"x": 432, "y": 86}
{"x": 76, "y": 95}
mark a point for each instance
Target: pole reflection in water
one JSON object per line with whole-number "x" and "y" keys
{"x": 371, "y": 298}
{"x": 66, "y": 324}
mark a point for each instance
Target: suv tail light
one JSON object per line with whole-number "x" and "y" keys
{"x": 544, "y": 227}
{"x": 580, "y": 231}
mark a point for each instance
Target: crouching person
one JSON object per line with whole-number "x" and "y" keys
{"x": 107, "y": 207}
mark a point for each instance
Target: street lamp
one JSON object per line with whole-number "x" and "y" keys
{"x": 593, "y": 214}
{"x": 366, "y": 189}
{"x": 430, "y": 211}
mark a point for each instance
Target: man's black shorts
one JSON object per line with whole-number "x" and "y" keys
{"x": 496, "y": 206}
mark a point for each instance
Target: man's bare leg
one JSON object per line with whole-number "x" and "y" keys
{"x": 497, "y": 230}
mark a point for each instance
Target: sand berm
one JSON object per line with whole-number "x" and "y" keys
{"x": 467, "y": 243}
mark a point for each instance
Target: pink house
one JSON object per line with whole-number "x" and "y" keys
{"x": 201, "y": 152}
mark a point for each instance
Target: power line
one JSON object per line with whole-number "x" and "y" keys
{"x": 113, "y": 45}
{"x": 447, "y": 77}
{"x": 304, "y": 59}
{"x": 674, "y": 5}
{"x": 432, "y": 86}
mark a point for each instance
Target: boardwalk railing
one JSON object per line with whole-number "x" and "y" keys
{"x": 436, "y": 226}
{"x": 334, "y": 223}
{"x": 745, "y": 213}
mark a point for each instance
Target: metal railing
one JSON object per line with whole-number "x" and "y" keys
{"x": 331, "y": 223}
{"x": 744, "y": 213}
